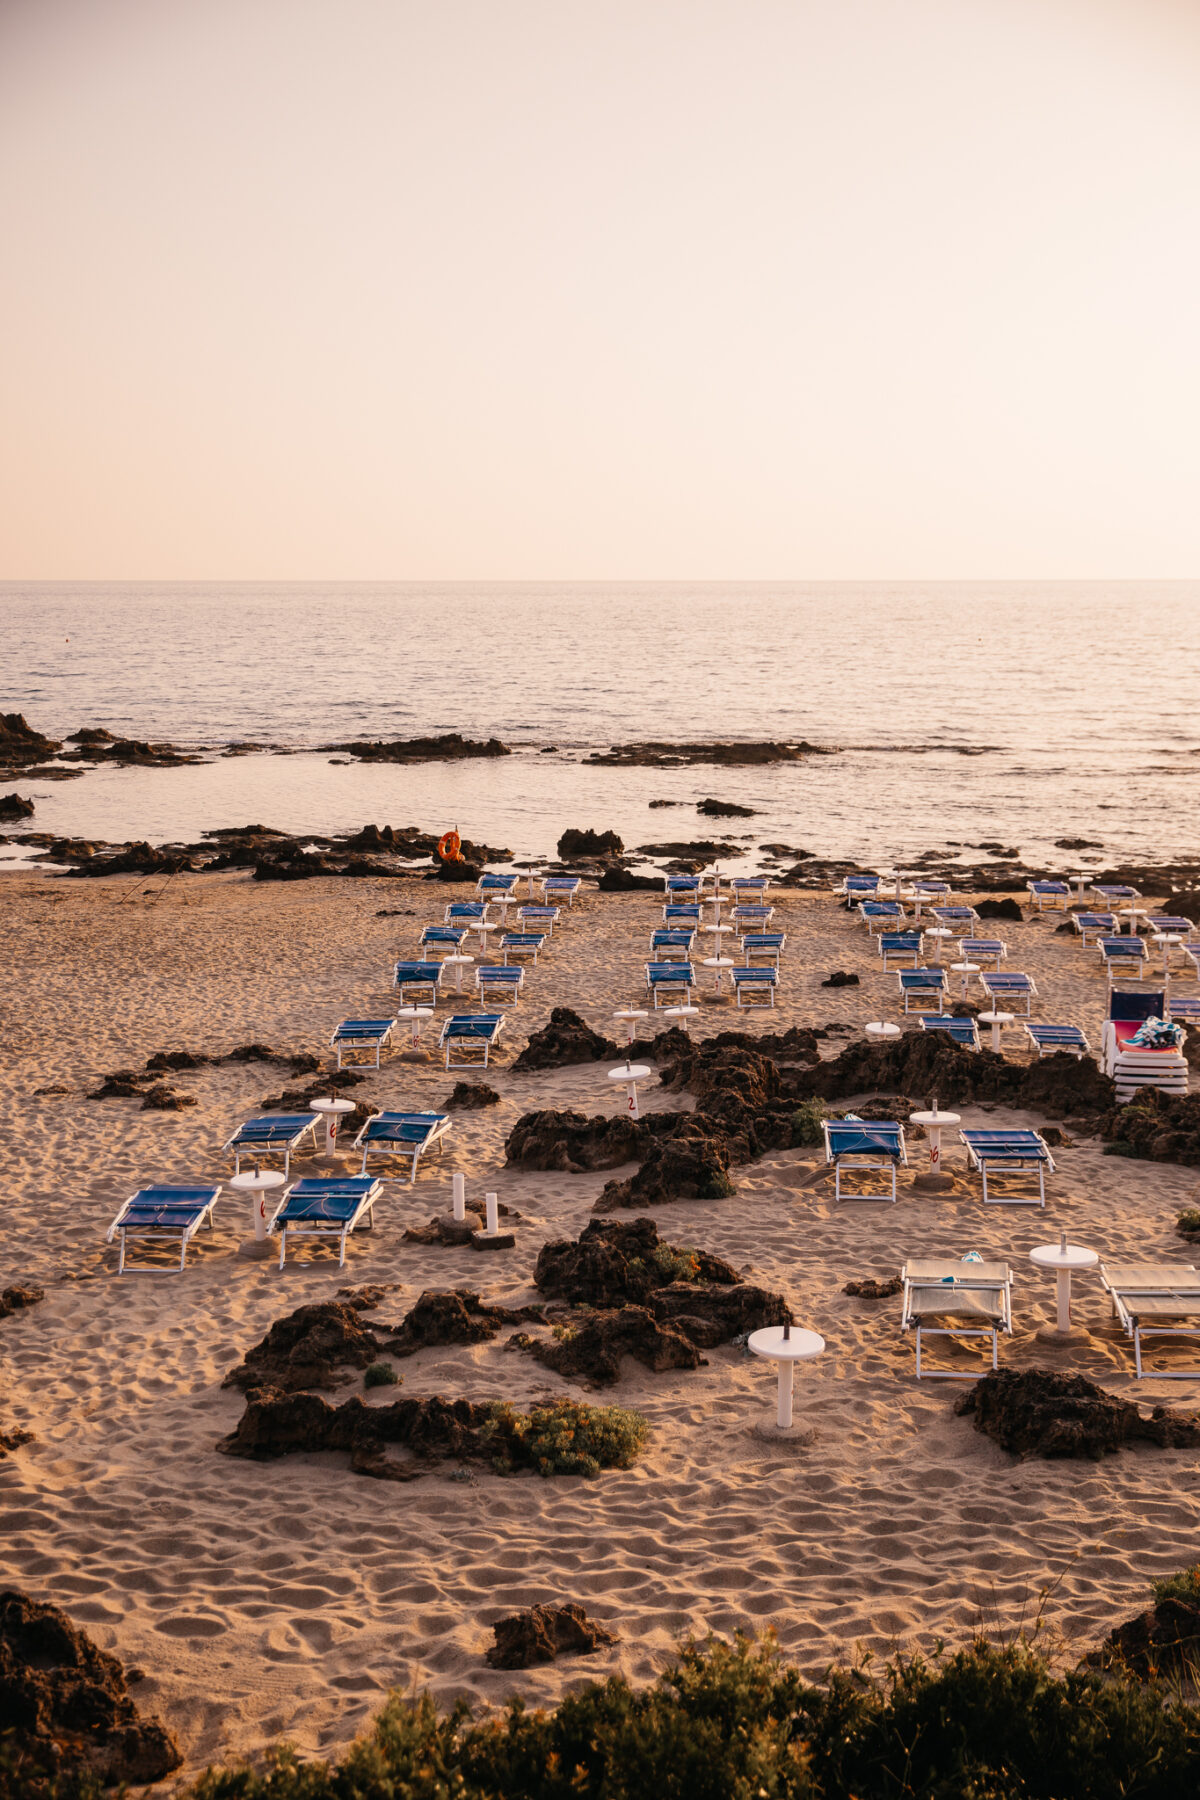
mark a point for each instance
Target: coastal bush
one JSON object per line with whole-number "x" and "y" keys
{"x": 381, "y": 1374}
{"x": 565, "y": 1437}
{"x": 807, "y": 1121}
{"x": 1183, "y": 1585}
{"x": 730, "y": 1722}
{"x": 1188, "y": 1221}
{"x": 677, "y": 1263}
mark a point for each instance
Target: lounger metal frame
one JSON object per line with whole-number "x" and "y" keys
{"x": 272, "y": 1137}
{"x": 177, "y": 1216}
{"x": 397, "y": 1134}
{"x": 956, "y": 1279}
{"x": 362, "y": 1034}
{"x": 871, "y": 1159}
{"x": 358, "y": 1195}
{"x": 1159, "y": 1283}
{"x": 1009, "y": 1153}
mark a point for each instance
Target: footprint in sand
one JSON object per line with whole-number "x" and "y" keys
{"x": 184, "y": 1625}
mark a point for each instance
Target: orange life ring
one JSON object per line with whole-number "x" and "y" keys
{"x": 449, "y": 847}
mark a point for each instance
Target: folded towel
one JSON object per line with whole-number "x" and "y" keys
{"x": 1157, "y": 1034}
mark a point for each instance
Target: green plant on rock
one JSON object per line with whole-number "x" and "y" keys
{"x": 1183, "y": 1585}
{"x": 807, "y": 1121}
{"x": 564, "y": 1437}
{"x": 717, "y": 1187}
{"x": 1188, "y": 1220}
{"x": 677, "y": 1264}
{"x": 381, "y": 1374}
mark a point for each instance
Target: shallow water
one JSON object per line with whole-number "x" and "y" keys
{"x": 961, "y": 712}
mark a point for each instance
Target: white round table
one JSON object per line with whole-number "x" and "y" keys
{"x": 626, "y": 1017}
{"x": 681, "y": 1013}
{"x": 939, "y": 934}
{"x": 415, "y": 1016}
{"x": 719, "y": 933}
{"x": 1064, "y": 1259}
{"x": 458, "y": 964}
{"x": 787, "y": 1345}
{"x": 934, "y": 1122}
{"x": 882, "y": 1028}
{"x": 332, "y": 1111}
{"x": 481, "y": 929}
{"x": 260, "y": 1184}
{"x": 631, "y": 1073}
{"x": 966, "y": 970}
{"x": 1168, "y": 940}
{"x": 1133, "y": 914}
{"x": 1083, "y": 879}
{"x": 720, "y": 964}
{"x": 997, "y": 1021}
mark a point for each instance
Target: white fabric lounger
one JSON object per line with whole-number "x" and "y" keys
{"x": 325, "y": 1207}
{"x": 362, "y": 1034}
{"x": 272, "y": 1134}
{"x": 1155, "y": 1300}
{"x": 171, "y": 1213}
{"x": 402, "y": 1134}
{"x": 956, "y": 1299}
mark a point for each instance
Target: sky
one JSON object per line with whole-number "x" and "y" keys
{"x": 599, "y": 289}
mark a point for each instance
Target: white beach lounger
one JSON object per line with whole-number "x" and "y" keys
{"x": 325, "y": 1207}
{"x": 442, "y": 940}
{"x": 407, "y": 1135}
{"x": 1124, "y": 957}
{"x": 1009, "y": 1153}
{"x": 1109, "y": 893}
{"x": 538, "y": 918}
{"x": 1093, "y": 925}
{"x": 677, "y": 917}
{"x": 1134, "y": 1066}
{"x": 1155, "y": 1300}
{"x": 362, "y": 1034}
{"x": 469, "y": 1038}
{"x": 881, "y": 915}
{"x": 272, "y": 1134}
{"x": 943, "y": 1298}
{"x": 755, "y": 984}
{"x": 681, "y": 884}
{"x": 671, "y": 946}
{"x": 174, "y": 1214}
{"x": 522, "y": 945}
{"x": 858, "y": 887}
{"x": 751, "y": 918}
{"x": 491, "y": 887}
{"x": 862, "y": 1147}
{"x": 562, "y": 887}
{"x": 1047, "y": 1039}
{"x": 1007, "y": 986}
{"x": 750, "y": 887}
{"x": 956, "y": 918}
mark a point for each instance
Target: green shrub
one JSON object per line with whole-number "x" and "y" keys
{"x": 1185, "y": 1585}
{"x": 1188, "y": 1220}
{"x": 677, "y": 1264}
{"x": 729, "y": 1722}
{"x": 381, "y": 1374}
{"x": 717, "y": 1187}
{"x": 807, "y": 1120}
{"x": 565, "y": 1437}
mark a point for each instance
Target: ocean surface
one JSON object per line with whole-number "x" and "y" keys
{"x": 960, "y": 712}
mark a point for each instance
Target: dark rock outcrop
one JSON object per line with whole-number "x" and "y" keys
{"x": 65, "y": 1709}
{"x": 1157, "y": 1127}
{"x": 101, "y": 746}
{"x": 471, "y": 1096}
{"x": 656, "y": 755}
{"x": 15, "y": 1299}
{"x": 725, "y": 809}
{"x": 565, "y": 1040}
{"x": 1036, "y": 1412}
{"x": 20, "y": 743}
{"x": 12, "y": 1440}
{"x": 449, "y": 747}
{"x": 542, "y": 1633}
{"x": 1000, "y": 909}
{"x": 577, "y": 841}
{"x": 696, "y": 850}
{"x": 927, "y": 1063}
{"x": 572, "y": 1142}
{"x": 276, "y": 1424}
{"x": 164, "y": 1098}
{"x": 692, "y": 1164}
{"x": 591, "y": 1348}
{"x": 136, "y": 859}
{"x": 455, "y": 1316}
{"x": 621, "y": 1263}
{"x": 871, "y": 1288}
{"x": 623, "y": 881}
{"x": 841, "y": 978}
{"x": 710, "y": 1313}
{"x": 310, "y": 1348}
{"x": 14, "y": 806}
{"x": 1163, "y": 1640}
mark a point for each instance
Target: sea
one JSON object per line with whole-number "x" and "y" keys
{"x": 958, "y": 713}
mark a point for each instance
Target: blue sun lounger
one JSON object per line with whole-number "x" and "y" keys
{"x": 1009, "y": 1153}
{"x": 1183, "y": 1010}
{"x": 900, "y": 949}
{"x": 963, "y": 1031}
{"x": 562, "y": 886}
{"x": 754, "y": 917}
{"x": 924, "y": 990}
{"x": 1109, "y": 892}
{"x": 1009, "y": 986}
{"x": 681, "y": 918}
{"x": 1094, "y": 925}
{"x": 538, "y": 918}
{"x": 755, "y": 984}
{"x": 858, "y": 887}
{"x": 495, "y": 885}
{"x": 957, "y": 918}
{"x": 764, "y": 946}
{"x": 497, "y": 984}
{"x": 418, "y": 982}
{"x": 982, "y": 951}
{"x": 864, "y": 1149}
{"x": 468, "y": 1039}
{"x": 930, "y": 890}
{"x": 750, "y": 885}
{"x": 467, "y": 913}
{"x": 524, "y": 944}
{"x": 881, "y": 915}
{"x": 1049, "y": 896}
{"x": 325, "y": 1207}
{"x": 1046, "y": 1039}
{"x": 362, "y": 1034}
{"x": 1171, "y": 922}
{"x": 1123, "y": 955}
{"x": 402, "y": 1134}
{"x": 663, "y": 941}
{"x": 446, "y": 940}
{"x": 670, "y": 982}
{"x": 680, "y": 884}
{"x": 272, "y": 1134}
{"x": 171, "y": 1213}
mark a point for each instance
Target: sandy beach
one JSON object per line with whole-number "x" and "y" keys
{"x": 285, "y": 1598}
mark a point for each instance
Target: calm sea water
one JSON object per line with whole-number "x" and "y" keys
{"x": 961, "y": 711}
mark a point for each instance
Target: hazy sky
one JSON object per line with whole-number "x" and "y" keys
{"x": 599, "y": 288}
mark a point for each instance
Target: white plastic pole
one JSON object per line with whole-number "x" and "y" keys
{"x": 458, "y": 1184}
{"x": 493, "y": 1213}
{"x": 260, "y": 1217}
{"x": 784, "y": 1411}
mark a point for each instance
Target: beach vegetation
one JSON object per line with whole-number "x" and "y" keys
{"x": 677, "y": 1262}
{"x": 729, "y": 1721}
{"x": 380, "y": 1374}
{"x": 564, "y": 1437}
{"x": 1188, "y": 1220}
{"x": 807, "y": 1121}
{"x": 1183, "y": 1585}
